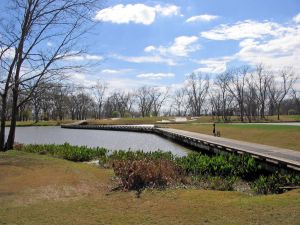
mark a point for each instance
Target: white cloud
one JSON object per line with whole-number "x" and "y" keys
{"x": 297, "y": 18}
{"x": 168, "y": 10}
{"x": 81, "y": 79}
{"x": 149, "y": 48}
{"x": 155, "y": 76}
{"x": 135, "y": 13}
{"x": 277, "y": 52}
{"x": 244, "y": 29}
{"x": 214, "y": 65}
{"x": 276, "y": 45}
{"x": 146, "y": 59}
{"x": 115, "y": 71}
{"x": 181, "y": 46}
{"x": 9, "y": 53}
{"x": 84, "y": 57}
{"x": 128, "y": 84}
{"x": 202, "y": 18}
{"x": 109, "y": 71}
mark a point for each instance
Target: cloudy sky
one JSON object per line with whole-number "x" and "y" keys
{"x": 137, "y": 43}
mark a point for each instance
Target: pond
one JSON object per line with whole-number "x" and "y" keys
{"x": 113, "y": 140}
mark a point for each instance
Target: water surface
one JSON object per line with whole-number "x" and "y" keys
{"x": 113, "y": 140}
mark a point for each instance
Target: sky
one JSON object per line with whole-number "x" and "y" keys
{"x": 136, "y": 43}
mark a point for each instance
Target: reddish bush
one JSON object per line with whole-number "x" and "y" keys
{"x": 137, "y": 174}
{"x": 18, "y": 146}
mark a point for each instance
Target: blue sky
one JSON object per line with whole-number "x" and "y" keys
{"x": 160, "y": 42}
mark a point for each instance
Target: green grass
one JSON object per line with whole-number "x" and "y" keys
{"x": 283, "y": 136}
{"x": 37, "y": 189}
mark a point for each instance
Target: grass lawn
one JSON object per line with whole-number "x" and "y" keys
{"x": 41, "y": 123}
{"x": 202, "y": 119}
{"x": 283, "y": 136}
{"x": 149, "y": 120}
{"x": 129, "y": 121}
{"x": 37, "y": 189}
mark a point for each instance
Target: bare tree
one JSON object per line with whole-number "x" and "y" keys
{"x": 144, "y": 100}
{"x": 33, "y": 24}
{"x": 279, "y": 90}
{"x": 127, "y": 101}
{"x": 226, "y": 98}
{"x": 159, "y": 97}
{"x": 251, "y": 103}
{"x": 296, "y": 98}
{"x": 98, "y": 93}
{"x": 262, "y": 79}
{"x": 59, "y": 94}
{"x": 180, "y": 102}
{"x": 197, "y": 90}
{"x": 236, "y": 87}
{"x": 216, "y": 103}
{"x": 41, "y": 99}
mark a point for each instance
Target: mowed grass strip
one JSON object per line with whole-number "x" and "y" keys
{"x": 37, "y": 189}
{"x": 282, "y": 136}
{"x": 41, "y": 123}
{"x": 151, "y": 120}
{"x": 128, "y": 121}
{"x": 201, "y": 119}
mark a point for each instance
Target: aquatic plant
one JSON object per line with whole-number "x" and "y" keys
{"x": 67, "y": 151}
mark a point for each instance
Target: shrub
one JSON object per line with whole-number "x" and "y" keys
{"x": 67, "y": 151}
{"x": 138, "y": 174}
{"x": 221, "y": 184}
{"x": 197, "y": 164}
{"x": 244, "y": 166}
{"x": 274, "y": 183}
{"x": 116, "y": 114}
{"x": 138, "y": 155}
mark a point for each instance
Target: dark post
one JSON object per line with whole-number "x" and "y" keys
{"x": 214, "y": 129}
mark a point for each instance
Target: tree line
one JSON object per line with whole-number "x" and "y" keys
{"x": 250, "y": 94}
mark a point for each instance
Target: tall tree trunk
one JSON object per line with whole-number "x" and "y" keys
{"x": 3, "y": 121}
{"x": 242, "y": 112}
{"x": 36, "y": 115}
{"x": 11, "y": 136}
{"x": 262, "y": 111}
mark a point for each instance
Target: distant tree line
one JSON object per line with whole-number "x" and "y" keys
{"x": 248, "y": 94}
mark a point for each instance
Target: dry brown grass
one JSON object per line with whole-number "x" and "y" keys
{"x": 52, "y": 201}
{"x": 26, "y": 178}
{"x": 41, "y": 123}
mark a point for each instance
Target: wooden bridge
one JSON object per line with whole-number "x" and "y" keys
{"x": 283, "y": 158}
{"x": 269, "y": 155}
{"x": 134, "y": 128}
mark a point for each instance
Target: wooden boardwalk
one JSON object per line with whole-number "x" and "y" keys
{"x": 280, "y": 156}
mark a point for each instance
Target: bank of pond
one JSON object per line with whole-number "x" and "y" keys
{"x": 137, "y": 170}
